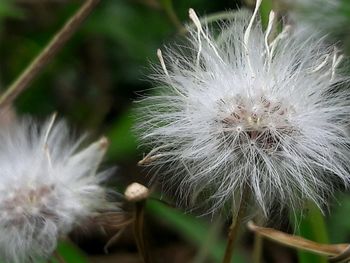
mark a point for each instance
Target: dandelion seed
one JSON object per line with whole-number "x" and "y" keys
{"x": 47, "y": 188}
{"x": 245, "y": 111}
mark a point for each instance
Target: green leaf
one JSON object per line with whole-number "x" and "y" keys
{"x": 122, "y": 141}
{"x": 70, "y": 253}
{"x": 169, "y": 9}
{"x": 265, "y": 9}
{"x": 195, "y": 230}
{"x": 9, "y": 9}
{"x": 345, "y": 7}
{"x": 339, "y": 223}
{"x": 137, "y": 29}
{"x": 312, "y": 226}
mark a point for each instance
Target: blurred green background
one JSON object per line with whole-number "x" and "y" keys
{"x": 93, "y": 82}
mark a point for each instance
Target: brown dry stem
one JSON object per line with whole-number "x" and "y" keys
{"x": 339, "y": 252}
{"x": 139, "y": 231}
{"x": 45, "y": 56}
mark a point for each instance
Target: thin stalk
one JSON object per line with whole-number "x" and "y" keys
{"x": 235, "y": 225}
{"x": 139, "y": 231}
{"x": 257, "y": 250}
{"x": 258, "y": 242}
{"x": 44, "y": 57}
{"x": 299, "y": 242}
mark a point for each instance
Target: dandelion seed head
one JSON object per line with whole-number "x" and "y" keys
{"x": 48, "y": 186}
{"x": 244, "y": 108}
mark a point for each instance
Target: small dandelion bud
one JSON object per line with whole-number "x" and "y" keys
{"x": 136, "y": 192}
{"x": 247, "y": 110}
{"x": 48, "y": 186}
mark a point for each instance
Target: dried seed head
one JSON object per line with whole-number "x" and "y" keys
{"x": 136, "y": 192}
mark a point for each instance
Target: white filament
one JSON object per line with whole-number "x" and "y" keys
{"x": 193, "y": 16}
{"x": 267, "y": 34}
{"x": 247, "y": 34}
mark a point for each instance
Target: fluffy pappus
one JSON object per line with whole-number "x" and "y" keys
{"x": 48, "y": 186}
{"x": 246, "y": 110}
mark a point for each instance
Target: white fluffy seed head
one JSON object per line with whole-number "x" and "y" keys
{"x": 47, "y": 187}
{"x": 238, "y": 110}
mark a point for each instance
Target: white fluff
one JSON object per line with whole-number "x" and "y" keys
{"x": 239, "y": 110}
{"x": 47, "y": 187}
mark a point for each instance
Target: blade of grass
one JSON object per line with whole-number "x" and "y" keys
{"x": 70, "y": 253}
{"x": 312, "y": 226}
{"x": 212, "y": 237}
{"x": 265, "y": 8}
{"x": 123, "y": 142}
{"x": 9, "y": 8}
{"x": 193, "y": 229}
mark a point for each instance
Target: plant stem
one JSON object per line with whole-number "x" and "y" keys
{"x": 44, "y": 57}
{"x": 257, "y": 250}
{"x": 139, "y": 231}
{"x": 300, "y": 243}
{"x": 236, "y": 223}
{"x": 258, "y": 242}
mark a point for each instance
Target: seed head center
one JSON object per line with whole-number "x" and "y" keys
{"x": 254, "y": 121}
{"x": 27, "y": 200}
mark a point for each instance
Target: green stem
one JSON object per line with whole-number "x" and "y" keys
{"x": 235, "y": 226}
{"x": 257, "y": 250}
{"x": 258, "y": 242}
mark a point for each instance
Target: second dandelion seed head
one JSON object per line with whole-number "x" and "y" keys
{"x": 48, "y": 186}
